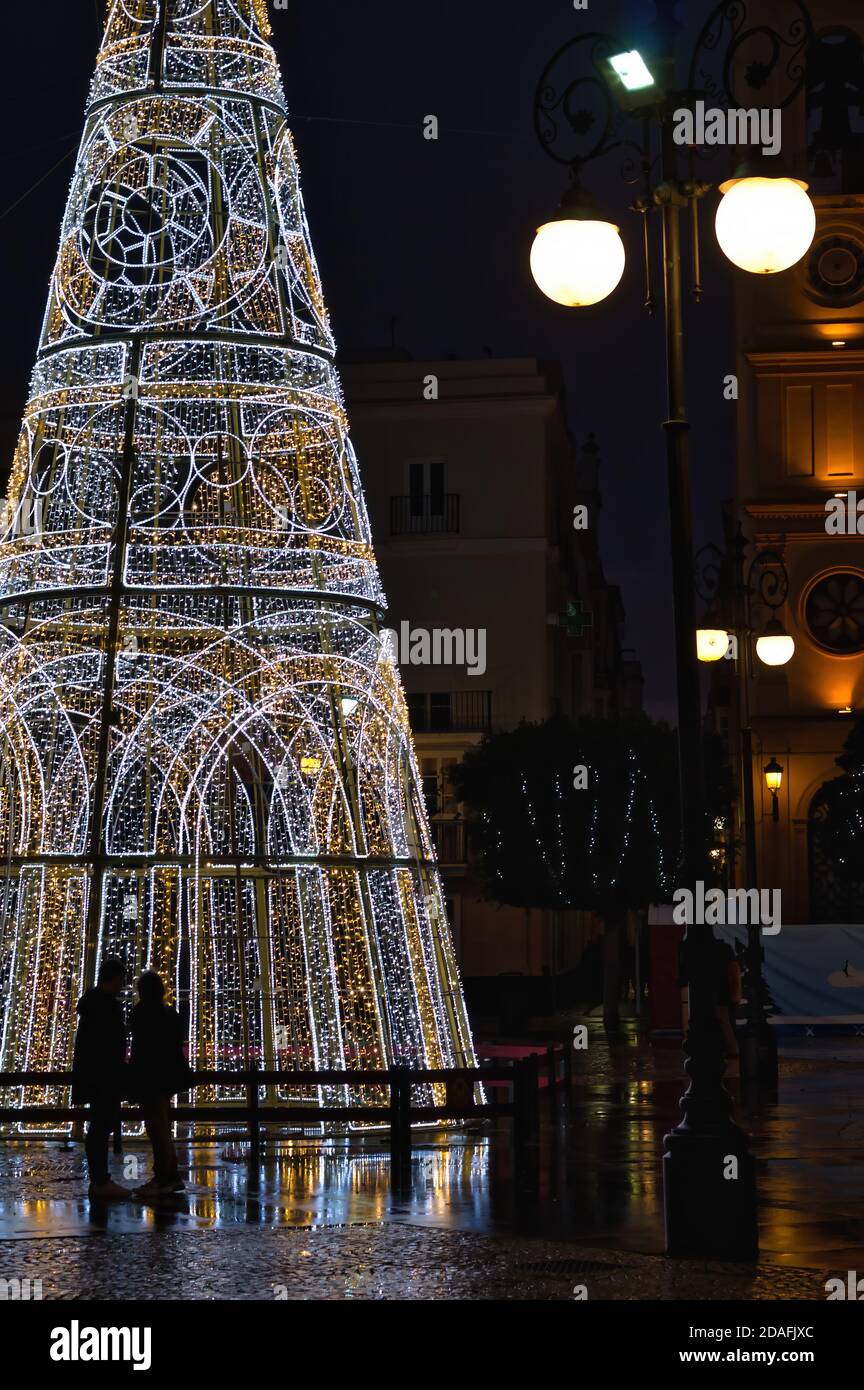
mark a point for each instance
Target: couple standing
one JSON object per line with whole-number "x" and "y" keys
{"x": 156, "y": 1070}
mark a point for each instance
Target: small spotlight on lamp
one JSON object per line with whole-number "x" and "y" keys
{"x": 631, "y": 81}
{"x": 631, "y": 70}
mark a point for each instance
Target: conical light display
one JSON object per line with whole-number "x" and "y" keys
{"x": 206, "y": 765}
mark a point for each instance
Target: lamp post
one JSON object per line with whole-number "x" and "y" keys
{"x": 577, "y": 121}
{"x": 734, "y": 585}
{"x": 774, "y": 781}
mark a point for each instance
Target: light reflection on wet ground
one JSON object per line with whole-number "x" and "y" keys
{"x": 596, "y": 1182}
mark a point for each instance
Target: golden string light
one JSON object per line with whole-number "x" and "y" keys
{"x": 206, "y": 764}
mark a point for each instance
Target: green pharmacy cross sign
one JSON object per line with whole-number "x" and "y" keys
{"x": 577, "y": 619}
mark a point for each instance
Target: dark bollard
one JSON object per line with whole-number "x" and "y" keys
{"x": 405, "y": 1126}
{"x": 526, "y": 1126}
{"x": 519, "y": 1104}
{"x": 759, "y": 1067}
{"x": 118, "y": 1133}
{"x": 400, "y": 1131}
{"x": 711, "y": 1201}
{"x": 395, "y": 1150}
{"x": 552, "y": 1066}
{"x": 254, "y": 1120}
{"x": 532, "y": 1073}
{"x": 568, "y": 1073}
{"x": 526, "y": 1120}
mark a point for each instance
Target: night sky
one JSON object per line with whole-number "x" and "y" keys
{"x": 422, "y": 244}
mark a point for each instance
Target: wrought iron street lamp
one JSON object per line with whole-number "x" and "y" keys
{"x": 578, "y": 257}
{"x": 775, "y": 647}
{"x": 774, "y": 781}
{"x": 765, "y": 221}
{"x": 765, "y": 225}
{"x": 712, "y": 643}
{"x": 577, "y": 120}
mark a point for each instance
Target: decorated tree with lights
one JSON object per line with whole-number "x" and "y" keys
{"x": 206, "y": 765}
{"x": 584, "y": 813}
{"x": 578, "y": 814}
{"x": 838, "y": 828}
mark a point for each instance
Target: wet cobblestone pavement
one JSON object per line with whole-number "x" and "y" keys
{"x": 385, "y": 1261}
{"x": 316, "y": 1220}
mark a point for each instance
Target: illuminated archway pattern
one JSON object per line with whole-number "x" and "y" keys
{"x": 206, "y": 764}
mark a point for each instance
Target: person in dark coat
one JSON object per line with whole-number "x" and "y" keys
{"x": 99, "y": 1071}
{"x": 725, "y": 990}
{"x": 727, "y": 993}
{"x": 159, "y": 1069}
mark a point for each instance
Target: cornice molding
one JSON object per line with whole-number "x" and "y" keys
{"x": 830, "y": 362}
{"x": 794, "y": 523}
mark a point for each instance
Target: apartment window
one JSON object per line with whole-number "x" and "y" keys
{"x": 427, "y": 509}
{"x": 426, "y": 488}
{"x": 449, "y": 800}
{"x": 429, "y": 777}
{"x": 438, "y": 790}
{"x": 439, "y": 712}
{"x": 448, "y": 711}
{"x": 416, "y": 711}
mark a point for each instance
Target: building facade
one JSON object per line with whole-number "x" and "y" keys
{"x": 801, "y": 450}
{"x": 486, "y": 521}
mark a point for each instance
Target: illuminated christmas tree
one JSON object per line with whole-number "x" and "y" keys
{"x": 206, "y": 765}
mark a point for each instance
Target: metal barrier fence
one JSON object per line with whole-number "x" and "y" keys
{"x": 401, "y": 1113}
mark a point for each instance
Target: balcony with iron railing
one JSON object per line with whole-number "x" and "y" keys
{"x": 451, "y": 841}
{"x": 450, "y": 711}
{"x": 416, "y": 515}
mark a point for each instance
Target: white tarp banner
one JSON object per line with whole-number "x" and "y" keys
{"x": 815, "y": 973}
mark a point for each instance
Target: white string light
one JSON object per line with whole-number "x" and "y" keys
{"x": 184, "y": 462}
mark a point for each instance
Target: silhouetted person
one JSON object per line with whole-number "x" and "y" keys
{"x": 159, "y": 1069}
{"x": 725, "y": 990}
{"x": 727, "y": 993}
{"x": 99, "y": 1071}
